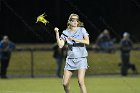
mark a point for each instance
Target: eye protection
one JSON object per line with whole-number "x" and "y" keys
{"x": 74, "y": 19}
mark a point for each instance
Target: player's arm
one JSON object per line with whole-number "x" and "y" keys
{"x": 85, "y": 40}
{"x": 60, "y": 41}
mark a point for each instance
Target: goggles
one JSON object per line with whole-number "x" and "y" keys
{"x": 74, "y": 19}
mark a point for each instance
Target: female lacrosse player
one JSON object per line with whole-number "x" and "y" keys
{"x": 76, "y": 38}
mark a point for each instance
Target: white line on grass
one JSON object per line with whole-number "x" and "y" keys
{"x": 18, "y": 92}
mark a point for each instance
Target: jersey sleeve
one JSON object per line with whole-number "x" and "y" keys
{"x": 84, "y": 31}
{"x": 63, "y": 36}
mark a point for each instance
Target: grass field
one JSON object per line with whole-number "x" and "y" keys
{"x": 95, "y": 84}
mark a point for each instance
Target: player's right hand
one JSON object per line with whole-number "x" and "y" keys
{"x": 56, "y": 29}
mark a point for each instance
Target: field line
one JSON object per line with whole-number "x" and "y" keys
{"x": 18, "y": 92}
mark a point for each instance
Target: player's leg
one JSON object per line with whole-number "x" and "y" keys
{"x": 81, "y": 77}
{"x": 66, "y": 78}
{"x": 4, "y": 66}
{"x": 59, "y": 67}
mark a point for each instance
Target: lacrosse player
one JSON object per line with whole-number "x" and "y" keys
{"x": 76, "y": 37}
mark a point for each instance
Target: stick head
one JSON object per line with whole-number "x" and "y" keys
{"x": 42, "y": 19}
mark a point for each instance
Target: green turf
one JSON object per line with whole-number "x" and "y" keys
{"x": 98, "y": 84}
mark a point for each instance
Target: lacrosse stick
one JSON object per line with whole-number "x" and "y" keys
{"x": 41, "y": 19}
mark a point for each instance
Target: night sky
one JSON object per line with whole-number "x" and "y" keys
{"x": 18, "y": 17}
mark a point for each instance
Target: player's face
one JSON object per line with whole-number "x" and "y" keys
{"x": 74, "y": 21}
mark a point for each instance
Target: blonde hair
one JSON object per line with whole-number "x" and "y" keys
{"x": 69, "y": 20}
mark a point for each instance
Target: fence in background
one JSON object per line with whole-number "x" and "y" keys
{"x": 39, "y": 62}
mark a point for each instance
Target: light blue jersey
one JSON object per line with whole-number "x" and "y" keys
{"x": 75, "y": 52}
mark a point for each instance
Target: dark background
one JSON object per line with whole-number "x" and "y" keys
{"x": 18, "y": 17}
